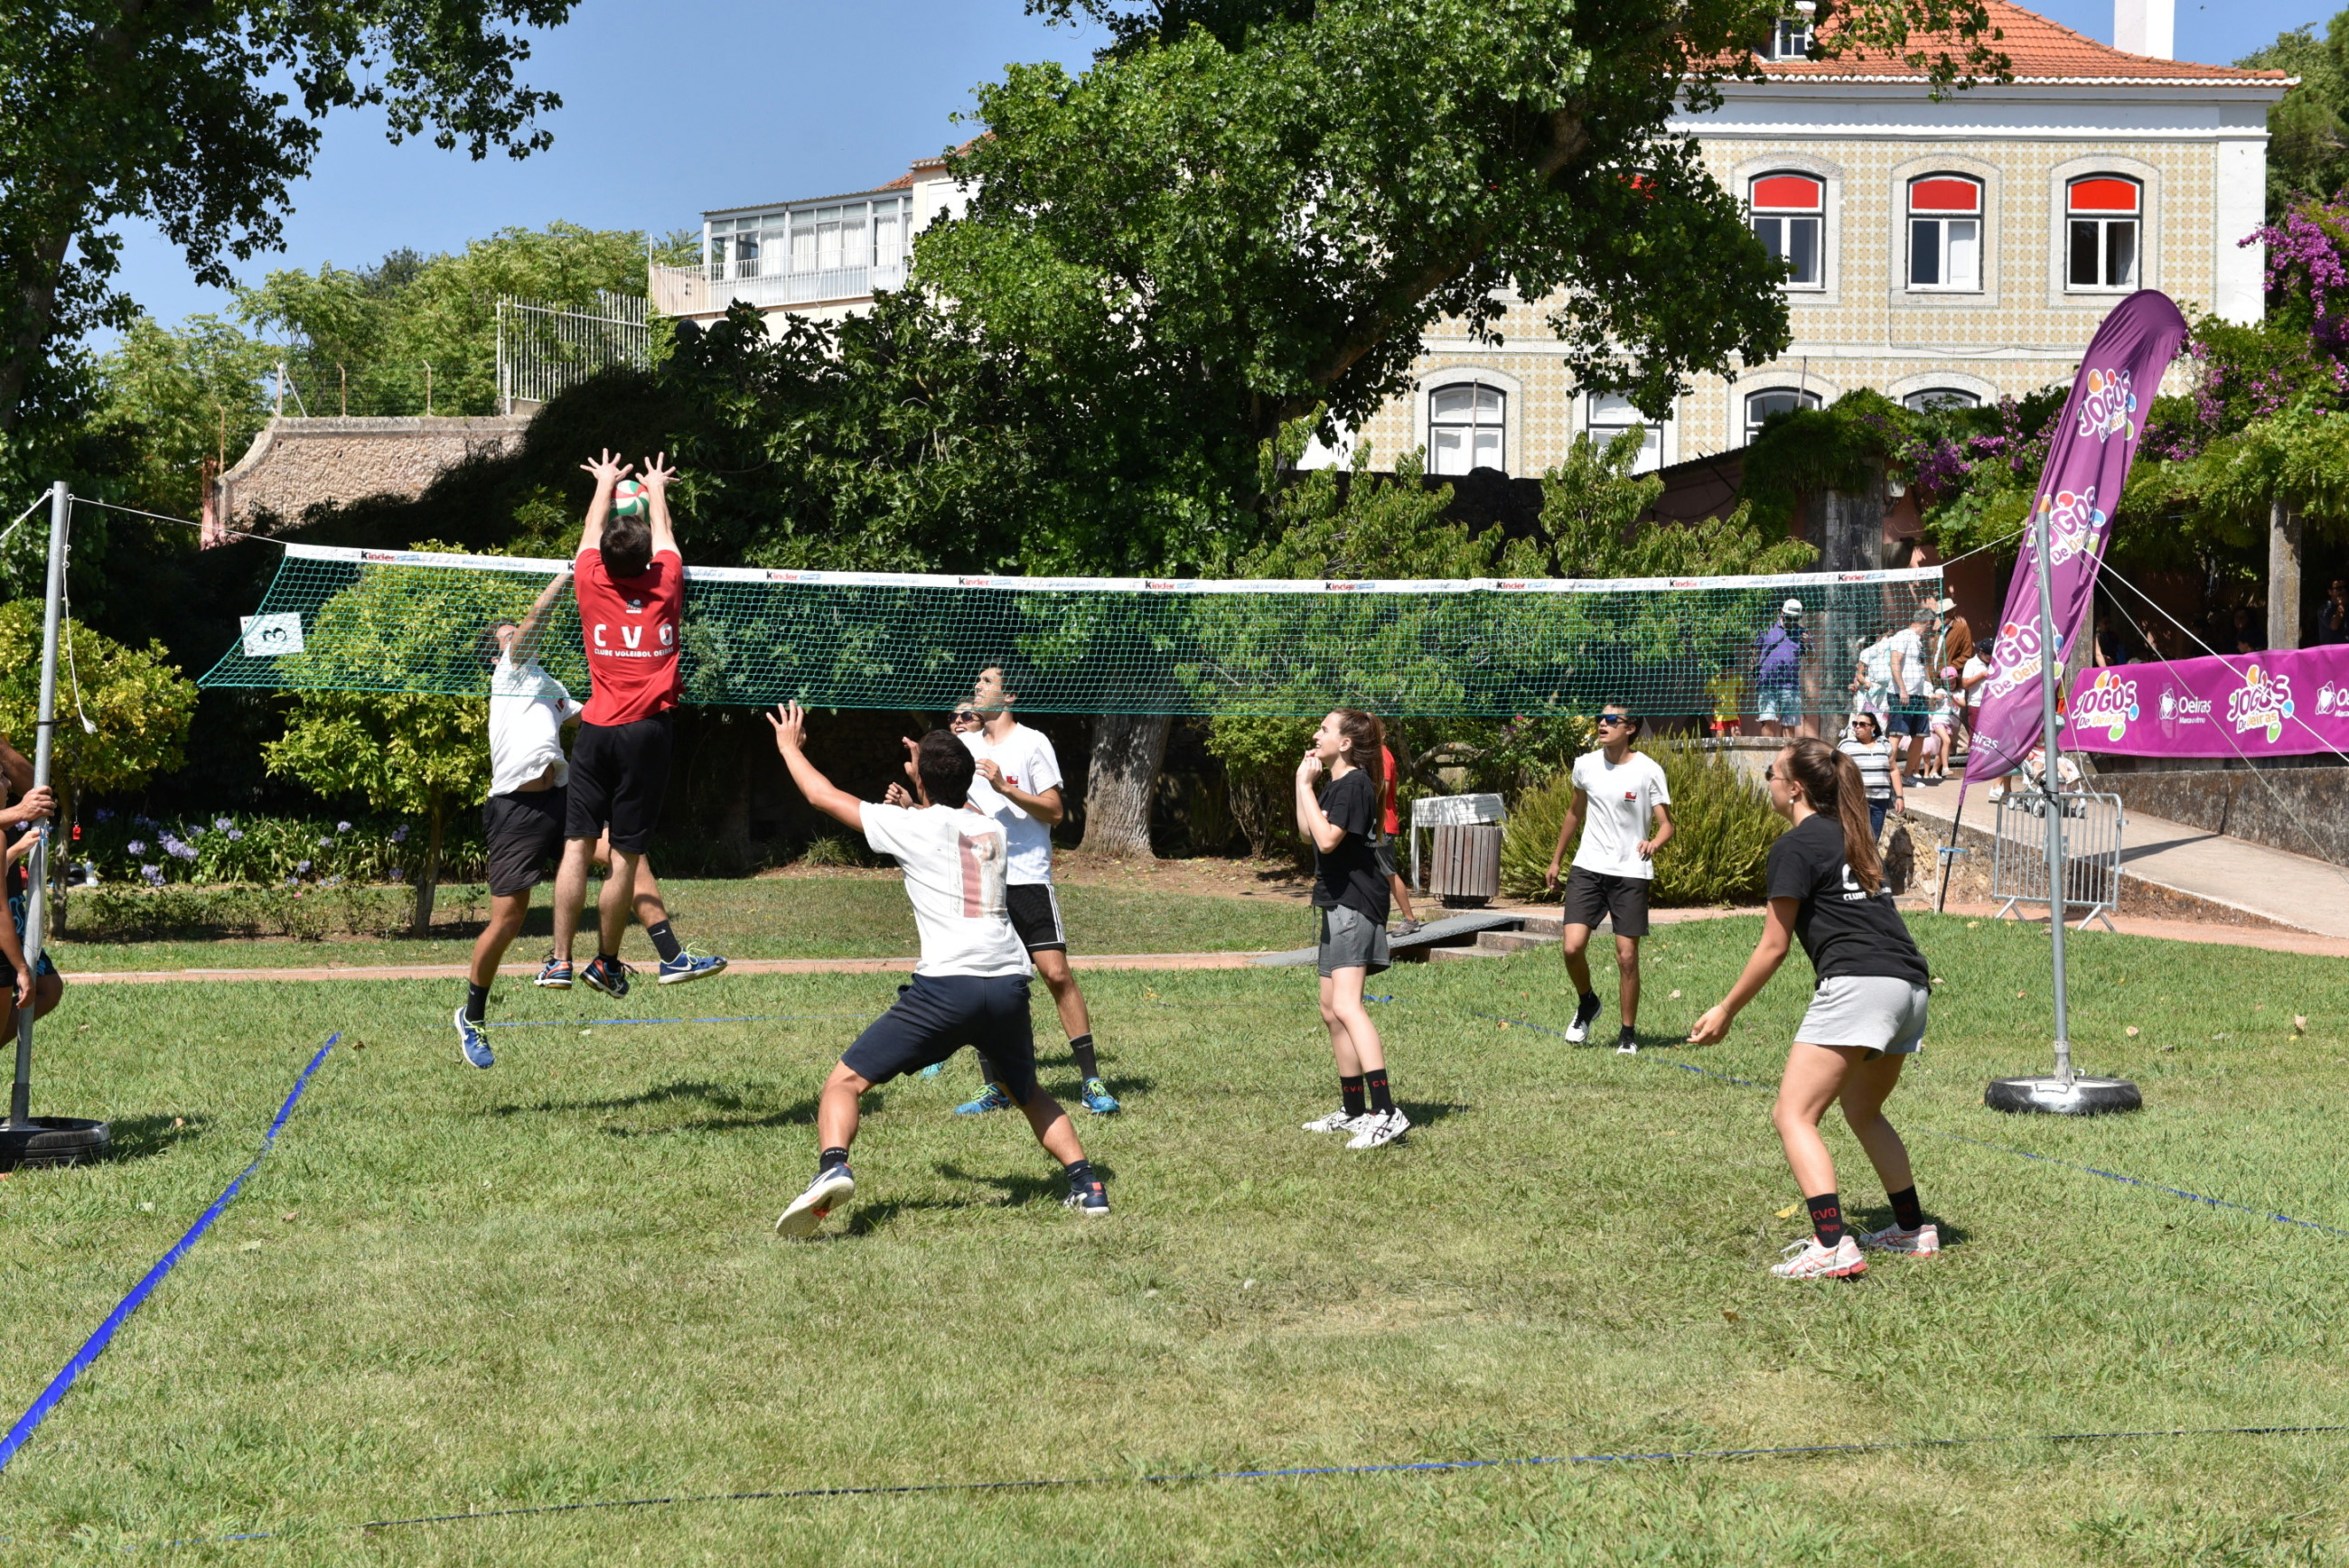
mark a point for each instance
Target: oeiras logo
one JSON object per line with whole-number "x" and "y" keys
{"x": 2108, "y": 704}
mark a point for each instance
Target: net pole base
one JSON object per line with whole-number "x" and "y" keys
{"x": 2050, "y": 1096}
{"x": 53, "y": 1140}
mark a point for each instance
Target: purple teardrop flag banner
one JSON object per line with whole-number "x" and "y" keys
{"x": 2089, "y": 461}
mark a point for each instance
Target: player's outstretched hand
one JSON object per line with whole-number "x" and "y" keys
{"x": 608, "y": 469}
{"x": 790, "y": 724}
{"x": 658, "y": 472}
{"x": 1710, "y": 1029}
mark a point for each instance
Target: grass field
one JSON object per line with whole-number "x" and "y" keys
{"x": 839, "y": 917}
{"x": 557, "y": 1283}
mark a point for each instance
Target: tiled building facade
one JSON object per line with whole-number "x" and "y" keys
{"x": 1963, "y": 249}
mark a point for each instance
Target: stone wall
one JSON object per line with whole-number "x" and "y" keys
{"x": 2303, "y": 809}
{"x": 295, "y": 464}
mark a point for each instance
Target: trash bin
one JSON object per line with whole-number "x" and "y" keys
{"x": 1467, "y": 868}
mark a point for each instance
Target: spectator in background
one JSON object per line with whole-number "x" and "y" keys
{"x": 1879, "y": 779}
{"x": 2247, "y": 637}
{"x": 1967, "y": 690}
{"x": 1871, "y": 680}
{"x": 2112, "y": 648}
{"x": 2332, "y": 615}
{"x": 1778, "y": 673}
{"x": 1910, "y": 669}
{"x": 1385, "y": 847}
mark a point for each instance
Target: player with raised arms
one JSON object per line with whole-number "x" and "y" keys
{"x": 1019, "y": 785}
{"x": 970, "y": 987}
{"x": 631, "y": 590}
{"x": 1826, "y": 888}
{"x": 1621, "y": 794}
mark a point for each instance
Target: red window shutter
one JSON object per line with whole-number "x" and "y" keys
{"x": 2103, "y": 195}
{"x": 1796, "y": 192}
{"x": 1943, "y": 194}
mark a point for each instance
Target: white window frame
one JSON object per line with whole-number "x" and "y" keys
{"x": 1749, "y": 427}
{"x": 1475, "y": 425}
{"x": 1790, "y": 39}
{"x": 1942, "y": 397}
{"x": 1944, "y": 228}
{"x": 1817, "y": 217}
{"x": 2102, "y": 223}
{"x": 1608, "y": 414}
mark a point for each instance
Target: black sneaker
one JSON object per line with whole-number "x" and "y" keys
{"x": 1584, "y": 1012}
{"x": 1088, "y": 1197}
{"x": 1627, "y": 1043}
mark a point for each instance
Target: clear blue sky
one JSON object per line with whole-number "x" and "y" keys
{"x": 675, "y": 106}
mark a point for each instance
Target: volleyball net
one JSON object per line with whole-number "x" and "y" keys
{"x": 393, "y": 621}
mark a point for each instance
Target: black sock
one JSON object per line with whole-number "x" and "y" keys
{"x": 830, "y": 1158}
{"x": 1376, "y": 1082}
{"x": 1826, "y": 1218}
{"x": 1078, "y": 1170}
{"x": 477, "y": 1003}
{"x": 664, "y": 942}
{"x": 1628, "y": 1035}
{"x": 1350, "y": 1095}
{"x": 1907, "y": 1212}
{"x": 1081, "y": 1047}
{"x": 608, "y": 960}
{"x": 986, "y": 1069}
{"x": 1588, "y": 1002}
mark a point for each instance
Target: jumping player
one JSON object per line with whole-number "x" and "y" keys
{"x": 631, "y": 589}
{"x": 970, "y": 987}
{"x": 1619, "y": 792}
{"x": 1019, "y": 785}
{"x": 1350, "y": 891}
{"x": 1826, "y": 888}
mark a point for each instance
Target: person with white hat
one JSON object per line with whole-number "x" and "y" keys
{"x": 1778, "y": 673}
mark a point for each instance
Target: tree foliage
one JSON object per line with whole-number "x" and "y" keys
{"x": 2308, "y": 129}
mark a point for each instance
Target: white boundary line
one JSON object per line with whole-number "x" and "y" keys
{"x": 541, "y": 568}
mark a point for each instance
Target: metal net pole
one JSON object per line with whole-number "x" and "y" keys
{"x": 20, "y": 1094}
{"x": 2049, "y": 782}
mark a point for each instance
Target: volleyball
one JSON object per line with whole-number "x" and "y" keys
{"x": 628, "y": 499}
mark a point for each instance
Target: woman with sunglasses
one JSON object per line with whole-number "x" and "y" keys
{"x": 1826, "y": 888}
{"x": 1621, "y": 794}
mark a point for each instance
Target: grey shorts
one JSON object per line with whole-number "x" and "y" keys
{"x": 1351, "y": 939}
{"x": 1872, "y": 1012}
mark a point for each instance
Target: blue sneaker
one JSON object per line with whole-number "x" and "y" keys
{"x": 995, "y": 1096}
{"x": 685, "y": 966}
{"x": 610, "y": 978}
{"x": 554, "y": 974}
{"x": 472, "y": 1042}
{"x": 933, "y": 1070}
{"x": 1097, "y": 1097}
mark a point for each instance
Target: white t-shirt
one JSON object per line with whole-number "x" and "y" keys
{"x": 953, "y": 860}
{"x": 1030, "y": 765}
{"x": 1875, "y": 675}
{"x": 1910, "y": 644}
{"x": 1968, "y": 692}
{"x": 1623, "y": 798}
{"x": 527, "y": 709}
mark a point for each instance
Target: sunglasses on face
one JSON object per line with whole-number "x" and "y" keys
{"x": 1613, "y": 718}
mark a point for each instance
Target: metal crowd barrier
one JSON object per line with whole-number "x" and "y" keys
{"x": 2092, "y": 854}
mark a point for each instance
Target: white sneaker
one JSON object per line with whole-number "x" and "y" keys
{"x": 1584, "y": 1012}
{"x": 1924, "y": 1242}
{"x": 1376, "y": 1130}
{"x": 831, "y": 1187}
{"x": 1806, "y": 1259}
{"x": 1336, "y": 1121}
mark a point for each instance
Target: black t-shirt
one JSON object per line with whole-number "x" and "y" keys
{"x": 1844, "y": 928}
{"x": 1349, "y": 875}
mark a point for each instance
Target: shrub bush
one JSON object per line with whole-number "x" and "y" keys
{"x": 1723, "y": 828}
{"x": 305, "y": 912}
{"x": 285, "y": 850}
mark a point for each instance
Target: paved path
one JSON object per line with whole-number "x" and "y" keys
{"x": 2294, "y": 891}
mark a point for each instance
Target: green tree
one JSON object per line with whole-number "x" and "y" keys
{"x": 175, "y": 396}
{"x": 2308, "y": 135}
{"x": 184, "y": 116}
{"x": 403, "y": 752}
{"x": 123, "y": 713}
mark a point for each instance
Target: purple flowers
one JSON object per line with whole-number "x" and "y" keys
{"x": 154, "y": 875}
{"x": 235, "y": 835}
{"x": 399, "y": 873}
{"x": 399, "y": 834}
{"x": 225, "y": 824}
{"x": 303, "y": 869}
{"x": 342, "y": 827}
{"x": 325, "y": 843}
{"x": 136, "y": 846}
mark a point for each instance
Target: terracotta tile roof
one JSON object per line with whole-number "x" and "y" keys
{"x": 2040, "y": 51}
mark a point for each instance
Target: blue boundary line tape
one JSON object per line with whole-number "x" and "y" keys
{"x": 1979, "y": 1143}
{"x": 19, "y": 1434}
{"x": 1297, "y": 1472}
{"x": 592, "y": 1022}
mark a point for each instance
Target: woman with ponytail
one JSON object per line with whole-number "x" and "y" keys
{"x": 1826, "y": 888}
{"x": 1349, "y": 899}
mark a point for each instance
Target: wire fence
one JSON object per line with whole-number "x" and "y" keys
{"x": 306, "y": 385}
{"x": 544, "y": 348}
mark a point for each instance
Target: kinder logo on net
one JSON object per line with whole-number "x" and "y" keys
{"x": 2075, "y": 525}
{"x": 2107, "y": 705}
{"x": 2110, "y": 408}
{"x": 2263, "y": 703}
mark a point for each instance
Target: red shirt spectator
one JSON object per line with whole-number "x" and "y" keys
{"x": 1386, "y": 792}
{"x": 630, "y": 631}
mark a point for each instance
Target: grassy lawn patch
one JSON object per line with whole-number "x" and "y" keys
{"x": 555, "y": 1281}
{"x": 850, "y": 916}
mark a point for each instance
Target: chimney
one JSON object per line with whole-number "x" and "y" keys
{"x": 2146, "y": 28}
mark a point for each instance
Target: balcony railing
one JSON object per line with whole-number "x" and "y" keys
{"x": 692, "y": 291}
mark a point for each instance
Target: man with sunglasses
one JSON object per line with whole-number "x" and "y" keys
{"x": 1618, "y": 792}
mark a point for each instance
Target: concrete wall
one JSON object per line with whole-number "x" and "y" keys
{"x": 2295, "y": 808}
{"x": 294, "y": 464}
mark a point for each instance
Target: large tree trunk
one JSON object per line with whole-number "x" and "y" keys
{"x": 1122, "y": 780}
{"x": 2284, "y": 576}
{"x": 428, "y": 882}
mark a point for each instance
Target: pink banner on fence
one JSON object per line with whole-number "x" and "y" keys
{"x": 2283, "y": 703}
{"x": 2094, "y": 439}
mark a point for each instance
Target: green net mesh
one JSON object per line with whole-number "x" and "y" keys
{"x": 351, "y": 620}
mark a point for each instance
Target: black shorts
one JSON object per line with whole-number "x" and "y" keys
{"x": 1035, "y": 912}
{"x": 618, "y": 774}
{"x": 1621, "y": 901}
{"x": 938, "y": 1015}
{"x": 525, "y": 830}
{"x": 1910, "y": 715}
